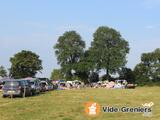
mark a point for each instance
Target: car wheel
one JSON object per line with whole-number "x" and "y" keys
{"x": 21, "y": 94}
{"x": 4, "y": 96}
{"x": 31, "y": 93}
{"x": 24, "y": 94}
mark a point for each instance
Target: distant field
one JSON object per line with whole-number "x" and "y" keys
{"x": 69, "y": 104}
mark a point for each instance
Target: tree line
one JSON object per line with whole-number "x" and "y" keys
{"x": 107, "y": 53}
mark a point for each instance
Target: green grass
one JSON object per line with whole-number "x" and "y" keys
{"x": 69, "y": 104}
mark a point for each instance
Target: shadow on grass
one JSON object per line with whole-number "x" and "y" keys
{"x": 66, "y": 119}
{"x": 18, "y": 97}
{"x": 151, "y": 84}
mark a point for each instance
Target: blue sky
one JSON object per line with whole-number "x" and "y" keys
{"x": 36, "y": 25}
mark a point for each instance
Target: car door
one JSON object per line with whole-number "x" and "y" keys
{"x": 37, "y": 86}
{"x": 22, "y": 84}
{"x": 27, "y": 87}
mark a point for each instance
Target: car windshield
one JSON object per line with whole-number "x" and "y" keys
{"x": 11, "y": 83}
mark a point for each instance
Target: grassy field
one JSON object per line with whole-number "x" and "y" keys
{"x": 69, "y": 104}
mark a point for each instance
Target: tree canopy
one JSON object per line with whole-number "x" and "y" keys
{"x": 25, "y": 64}
{"x": 108, "y": 50}
{"x": 148, "y": 70}
{"x": 85, "y": 67}
{"x": 3, "y": 72}
{"x": 69, "y": 49}
{"x": 127, "y": 74}
{"x": 56, "y": 74}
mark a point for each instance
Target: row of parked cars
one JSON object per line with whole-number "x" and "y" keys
{"x": 25, "y": 87}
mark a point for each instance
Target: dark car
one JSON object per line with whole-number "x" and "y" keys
{"x": 1, "y": 84}
{"x": 35, "y": 86}
{"x": 16, "y": 88}
{"x": 2, "y": 81}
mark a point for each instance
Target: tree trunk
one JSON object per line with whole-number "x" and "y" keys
{"x": 107, "y": 74}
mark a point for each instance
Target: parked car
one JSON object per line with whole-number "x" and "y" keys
{"x": 120, "y": 84}
{"x": 43, "y": 86}
{"x": 55, "y": 84}
{"x": 131, "y": 86}
{"x": 1, "y": 84}
{"x": 46, "y": 86}
{"x": 35, "y": 85}
{"x": 2, "y": 81}
{"x": 16, "y": 88}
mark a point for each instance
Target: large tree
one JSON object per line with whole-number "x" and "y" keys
{"x": 85, "y": 68}
{"x": 127, "y": 74}
{"x": 69, "y": 49}
{"x": 25, "y": 64}
{"x": 56, "y": 74}
{"x": 108, "y": 50}
{"x": 3, "y": 72}
{"x": 149, "y": 69}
